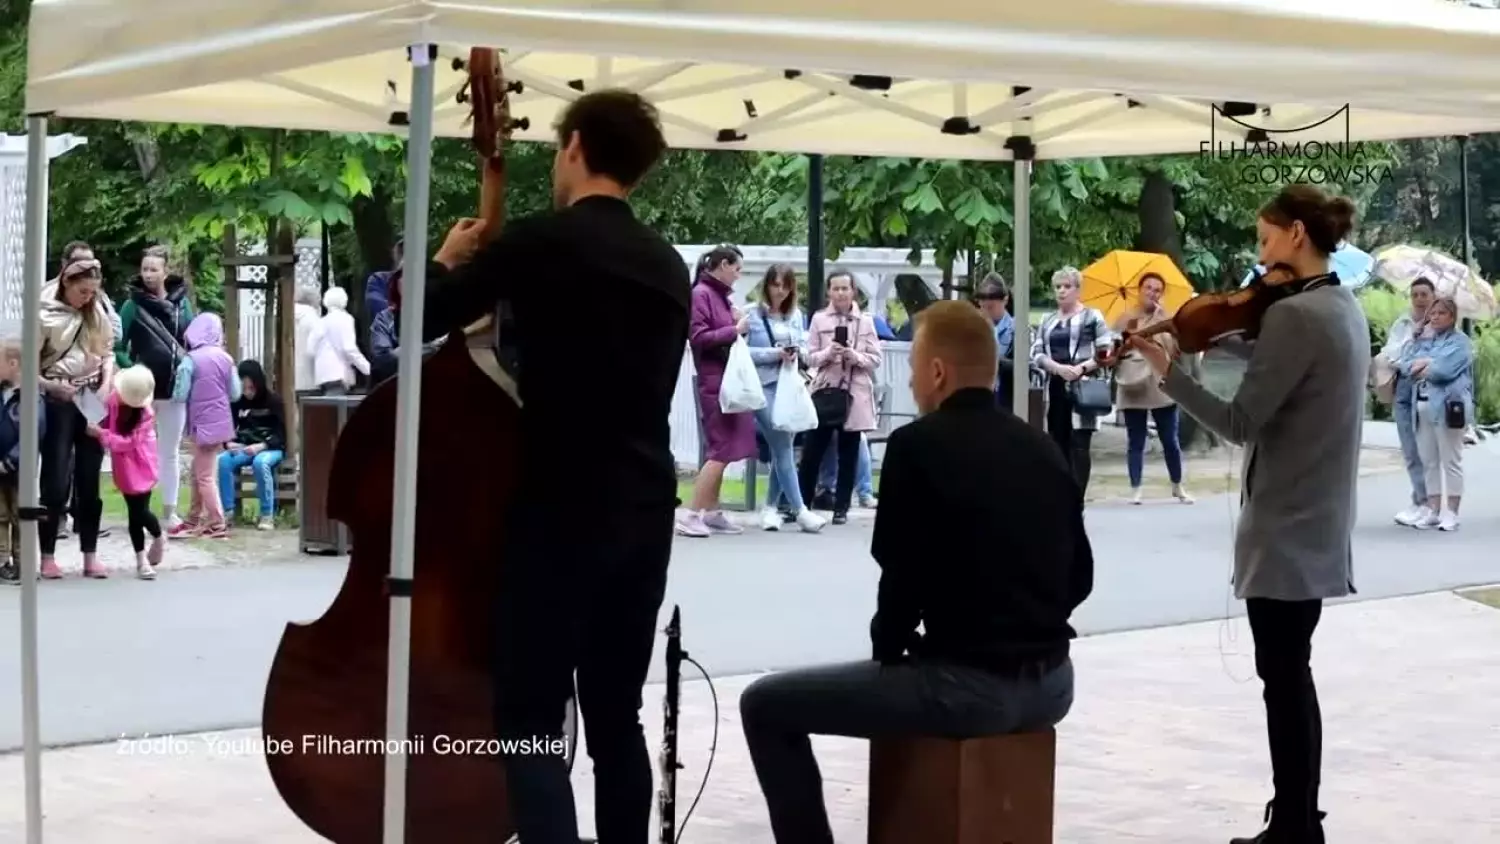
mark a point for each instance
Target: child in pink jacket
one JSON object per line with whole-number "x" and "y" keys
{"x": 128, "y": 433}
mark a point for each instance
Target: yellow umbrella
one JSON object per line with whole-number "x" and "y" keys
{"x": 1112, "y": 284}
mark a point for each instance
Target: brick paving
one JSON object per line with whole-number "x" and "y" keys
{"x": 1164, "y": 745}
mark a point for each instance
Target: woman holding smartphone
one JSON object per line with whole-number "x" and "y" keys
{"x": 777, "y": 337}
{"x": 844, "y": 351}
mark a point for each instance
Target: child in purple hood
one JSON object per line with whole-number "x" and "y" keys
{"x": 208, "y": 383}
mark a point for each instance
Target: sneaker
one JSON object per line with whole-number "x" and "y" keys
{"x": 1429, "y": 519}
{"x": 690, "y": 523}
{"x": 1413, "y": 515}
{"x": 809, "y": 521}
{"x": 157, "y": 550}
{"x": 1136, "y": 495}
{"x": 49, "y": 570}
{"x": 770, "y": 519}
{"x": 841, "y": 518}
{"x": 171, "y": 523}
{"x": 1447, "y": 520}
{"x": 1180, "y": 493}
{"x": 868, "y": 501}
{"x": 267, "y": 523}
{"x": 144, "y": 571}
{"x": 716, "y": 521}
{"x": 92, "y": 568}
{"x": 213, "y": 532}
{"x": 823, "y": 500}
{"x": 10, "y": 573}
{"x": 183, "y": 530}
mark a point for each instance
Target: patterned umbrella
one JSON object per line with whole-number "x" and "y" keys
{"x": 1401, "y": 265}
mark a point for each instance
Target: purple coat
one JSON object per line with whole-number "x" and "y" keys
{"x": 711, "y": 331}
{"x": 209, "y": 420}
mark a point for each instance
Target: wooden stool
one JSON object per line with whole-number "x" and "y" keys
{"x": 995, "y": 790}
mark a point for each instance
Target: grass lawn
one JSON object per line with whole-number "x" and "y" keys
{"x": 732, "y": 492}
{"x": 1488, "y": 597}
{"x": 114, "y": 505}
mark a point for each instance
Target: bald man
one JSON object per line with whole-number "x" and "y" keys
{"x": 980, "y": 540}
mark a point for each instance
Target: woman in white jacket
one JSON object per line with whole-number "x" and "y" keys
{"x": 337, "y": 356}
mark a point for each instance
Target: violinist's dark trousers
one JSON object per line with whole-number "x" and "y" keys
{"x": 584, "y": 601}
{"x": 870, "y": 700}
{"x": 1283, "y": 633}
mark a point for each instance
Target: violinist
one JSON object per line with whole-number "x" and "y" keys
{"x": 1298, "y": 412}
{"x": 584, "y": 577}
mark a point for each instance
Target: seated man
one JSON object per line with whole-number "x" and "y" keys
{"x": 980, "y": 540}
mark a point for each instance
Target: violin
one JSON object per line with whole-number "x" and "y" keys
{"x": 324, "y": 713}
{"x": 1210, "y": 319}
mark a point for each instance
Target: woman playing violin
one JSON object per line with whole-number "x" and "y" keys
{"x": 1298, "y": 412}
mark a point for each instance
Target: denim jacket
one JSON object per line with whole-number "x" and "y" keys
{"x": 1450, "y": 376}
{"x": 789, "y": 330}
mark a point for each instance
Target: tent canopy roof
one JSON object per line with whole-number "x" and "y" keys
{"x": 857, "y": 77}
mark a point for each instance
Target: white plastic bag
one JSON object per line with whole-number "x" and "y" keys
{"x": 793, "y": 409}
{"x": 740, "y": 390}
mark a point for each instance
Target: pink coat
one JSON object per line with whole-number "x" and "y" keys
{"x": 132, "y": 457}
{"x": 861, "y": 373}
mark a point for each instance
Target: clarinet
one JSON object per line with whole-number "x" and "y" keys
{"x": 667, "y": 796}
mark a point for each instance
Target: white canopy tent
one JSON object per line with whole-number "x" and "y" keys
{"x": 1105, "y": 77}
{"x": 876, "y": 77}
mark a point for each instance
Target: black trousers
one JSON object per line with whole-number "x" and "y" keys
{"x": 1283, "y": 633}
{"x": 590, "y": 609}
{"x": 142, "y": 521}
{"x": 71, "y": 460}
{"x": 780, "y": 712}
{"x": 813, "y": 448}
{"x": 1076, "y": 443}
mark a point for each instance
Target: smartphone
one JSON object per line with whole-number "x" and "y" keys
{"x": 841, "y": 335}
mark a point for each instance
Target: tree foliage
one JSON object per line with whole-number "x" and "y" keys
{"x": 138, "y": 184}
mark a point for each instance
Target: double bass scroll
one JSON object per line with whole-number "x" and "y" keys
{"x": 324, "y": 713}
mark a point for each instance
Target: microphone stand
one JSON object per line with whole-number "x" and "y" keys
{"x": 667, "y": 796}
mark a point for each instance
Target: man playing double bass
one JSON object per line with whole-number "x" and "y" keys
{"x": 584, "y": 578}
{"x": 1299, "y": 413}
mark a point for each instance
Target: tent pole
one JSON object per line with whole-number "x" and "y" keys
{"x": 816, "y": 252}
{"x": 1020, "y": 289}
{"x": 37, "y": 165}
{"x": 408, "y": 413}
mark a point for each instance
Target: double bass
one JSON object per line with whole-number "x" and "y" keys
{"x": 324, "y": 716}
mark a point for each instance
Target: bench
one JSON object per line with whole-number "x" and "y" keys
{"x": 994, "y": 790}
{"x": 285, "y": 494}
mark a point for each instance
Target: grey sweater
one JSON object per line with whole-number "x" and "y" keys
{"x": 1299, "y": 413}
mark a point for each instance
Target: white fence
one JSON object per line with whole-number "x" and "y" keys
{"x": 253, "y": 302}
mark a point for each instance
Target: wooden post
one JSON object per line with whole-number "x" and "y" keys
{"x": 286, "y": 352}
{"x": 231, "y": 286}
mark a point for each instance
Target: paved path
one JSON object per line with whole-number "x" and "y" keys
{"x": 191, "y": 650}
{"x": 1164, "y": 745}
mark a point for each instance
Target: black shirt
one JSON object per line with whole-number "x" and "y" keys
{"x": 599, "y": 304}
{"x": 980, "y": 538}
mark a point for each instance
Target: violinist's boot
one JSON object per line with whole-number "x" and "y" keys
{"x": 1275, "y": 833}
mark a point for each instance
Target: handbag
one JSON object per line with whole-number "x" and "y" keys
{"x": 1454, "y": 415}
{"x": 1091, "y": 396}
